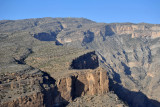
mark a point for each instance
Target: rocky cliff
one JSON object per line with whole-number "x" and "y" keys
{"x": 137, "y": 30}
{"x": 75, "y": 75}
{"x": 88, "y": 33}
{"x": 24, "y": 88}
{"x": 67, "y": 73}
{"x": 87, "y": 82}
{"x": 65, "y": 49}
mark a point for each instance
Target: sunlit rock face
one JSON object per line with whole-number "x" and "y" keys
{"x": 85, "y": 82}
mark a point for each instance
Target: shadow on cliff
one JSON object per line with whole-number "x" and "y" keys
{"x": 133, "y": 99}
{"x": 86, "y": 61}
{"x": 43, "y": 36}
{"x": 88, "y": 37}
{"x": 77, "y": 88}
{"x": 108, "y": 31}
{"x": 52, "y": 97}
{"x": 126, "y": 69}
{"x": 116, "y": 76}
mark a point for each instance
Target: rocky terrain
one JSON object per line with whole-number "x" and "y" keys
{"x": 105, "y": 100}
{"x": 70, "y": 61}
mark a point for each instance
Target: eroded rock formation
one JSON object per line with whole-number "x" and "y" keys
{"x": 84, "y": 82}
{"x": 31, "y": 87}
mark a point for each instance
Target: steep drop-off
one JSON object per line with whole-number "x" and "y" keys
{"x": 34, "y": 78}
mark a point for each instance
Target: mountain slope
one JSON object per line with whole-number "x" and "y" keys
{"x": 128, "y": 52}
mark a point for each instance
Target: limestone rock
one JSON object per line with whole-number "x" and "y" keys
{"x": 84, "y": 82}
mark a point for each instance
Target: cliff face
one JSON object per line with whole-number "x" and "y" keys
{"x": 141, "y": 30}
{"x": 87, "y": 82}
{"x": 87, "y": 35}
{"x": 34, "y": 100}
{"x": 24, "y": 88}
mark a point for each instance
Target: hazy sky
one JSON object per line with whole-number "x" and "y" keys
{"x": 107, "y": 11}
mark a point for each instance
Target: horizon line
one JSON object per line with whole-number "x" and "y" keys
{"x": 82, "y": 18}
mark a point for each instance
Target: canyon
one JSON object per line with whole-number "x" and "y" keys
{"x": 75, "y": 61}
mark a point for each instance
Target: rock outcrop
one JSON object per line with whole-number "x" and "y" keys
{"x": 24, "y": 88}
{"x": 23, "y": 85}
{"x": 83, "y": 82}
{"x": 137, "y": 30}
{"x": 34, "y": 100}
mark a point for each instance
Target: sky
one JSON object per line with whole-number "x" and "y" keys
{"x": 107, "y": 11}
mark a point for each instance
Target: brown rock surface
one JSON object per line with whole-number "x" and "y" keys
{"x": 83, "y": 82}
{"x": 33, "y": 100}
